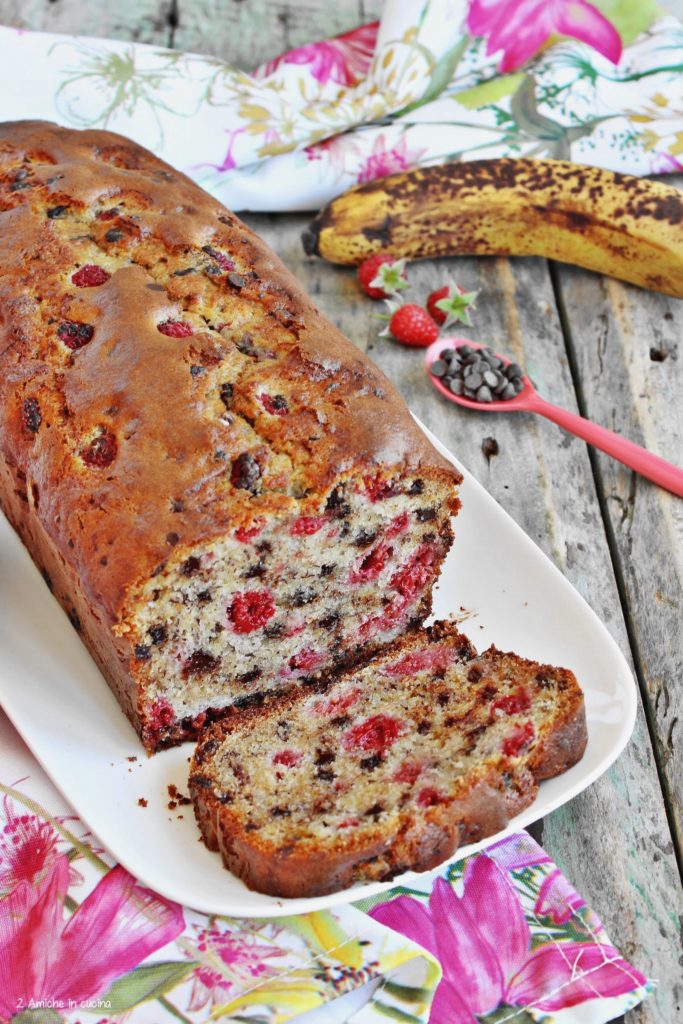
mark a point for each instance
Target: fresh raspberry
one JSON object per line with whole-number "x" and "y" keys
{"x": 31, "y": 416}
{"x": 438, "y": 315}
{"x": 306, "y": 526}
{"x": 251, "y": 610}
{"x": 306, "y": 661}
{"x": 450, "y": 304}
{"x": 370, "y": 270}
{"x": 245, "y": 535}
{"x": 519, "y": 738}
{"x": 101, "y": 451}
{"x": 175, "y": 329}
{"x": 90, "y": 276}
{"x": 513, "y": 704}
{"x": 412, "y": 325}
{"x": 276, "y": 405}
{"x": 429, "y": 797}
{"x": 288, "y": 758}
{"x": 372, "y": 565}
{"x": 408, "y": 772}
{"x": 412, "y": 577}
{"x": 75, "y": 335}
{"x": 376, "y": 734}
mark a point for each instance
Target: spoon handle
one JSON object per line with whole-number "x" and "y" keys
{"x": 651, "y": 466}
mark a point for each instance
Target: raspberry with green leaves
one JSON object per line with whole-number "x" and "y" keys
{"x": 382, "y": 275}
{"x": 412, "y": 325}
{"x": 450, "y": 305}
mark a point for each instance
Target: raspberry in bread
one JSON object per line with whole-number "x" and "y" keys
{"x": 390, "y": 769}
{"x": 225, "y": 495}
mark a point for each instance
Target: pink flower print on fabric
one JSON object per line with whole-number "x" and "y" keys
{"x": 228, "y": 163}
{"x": 483, "y": 943}
{"x": 28, "y": 848}
{"x": 520, "y": 27}
{"x": 227, "y": 962}
{"x": 44, "y": 957}
{"x": 335, "y": 151}
{"x": 557, "y": 899}
{"x": 343, "y": 59}
{"x": 664, "y": 163}
{"x": 385, "y": 160}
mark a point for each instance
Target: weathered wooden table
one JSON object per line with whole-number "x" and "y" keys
{"x": 608, "y": 350}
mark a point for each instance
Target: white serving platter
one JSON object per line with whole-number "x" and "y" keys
{"x": 54, "y": 694}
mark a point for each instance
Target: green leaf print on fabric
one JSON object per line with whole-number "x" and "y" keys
{"x": 147, "y": 982}
{"x": 630, "y": 17}
{"x": 103, "y": 84}
{"x": 487, "y": 93}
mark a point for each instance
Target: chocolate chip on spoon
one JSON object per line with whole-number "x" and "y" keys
{"x": 478, "y": 374}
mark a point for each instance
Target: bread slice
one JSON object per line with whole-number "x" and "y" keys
{"x": 389, "y": 769}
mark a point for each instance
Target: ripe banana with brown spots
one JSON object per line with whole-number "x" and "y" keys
{"x": 625, "y": 227}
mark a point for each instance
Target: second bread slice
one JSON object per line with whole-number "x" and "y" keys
{"x": 390, "y": 769}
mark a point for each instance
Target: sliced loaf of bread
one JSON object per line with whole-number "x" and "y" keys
{"x": 390, "y": 768}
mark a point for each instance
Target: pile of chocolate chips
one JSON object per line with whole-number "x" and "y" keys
{"x": 478, "y": 374}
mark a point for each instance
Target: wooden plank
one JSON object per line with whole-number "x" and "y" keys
{"x": 253, "y": 31}
{"x": 613, "y": 841}
{"x": 143, "y": 21}
{"x": 629, "y": 359}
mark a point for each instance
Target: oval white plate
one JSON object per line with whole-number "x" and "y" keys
{"x": 59, "y": 702}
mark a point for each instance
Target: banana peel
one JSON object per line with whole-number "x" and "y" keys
{"x": 616, "y": 224}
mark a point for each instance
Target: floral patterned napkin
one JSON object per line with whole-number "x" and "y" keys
{"x": 435, "y": 80}
{"x": 515, "y": 940}
{"x": 500, "y": 936}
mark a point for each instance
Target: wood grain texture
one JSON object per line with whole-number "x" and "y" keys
{"x": 613, "y": 841}
{"x": 142, "y": 21}
{"x": 249, "y": 32}
{"x": 629, "y": 359}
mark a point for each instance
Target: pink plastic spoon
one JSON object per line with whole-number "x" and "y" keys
{"x": 528, "y": 400}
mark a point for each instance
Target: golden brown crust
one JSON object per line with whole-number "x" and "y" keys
{"x": 71, "y": 199}
{"x": 130, "y": 378}
{"x": 423, "y": 841}
{"x": 419, "y": 846}
{"x": 484, "y": 810}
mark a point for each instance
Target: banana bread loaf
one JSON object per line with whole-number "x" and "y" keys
{"x": 224, "y": 494}
{"x": 397, "y": 763}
